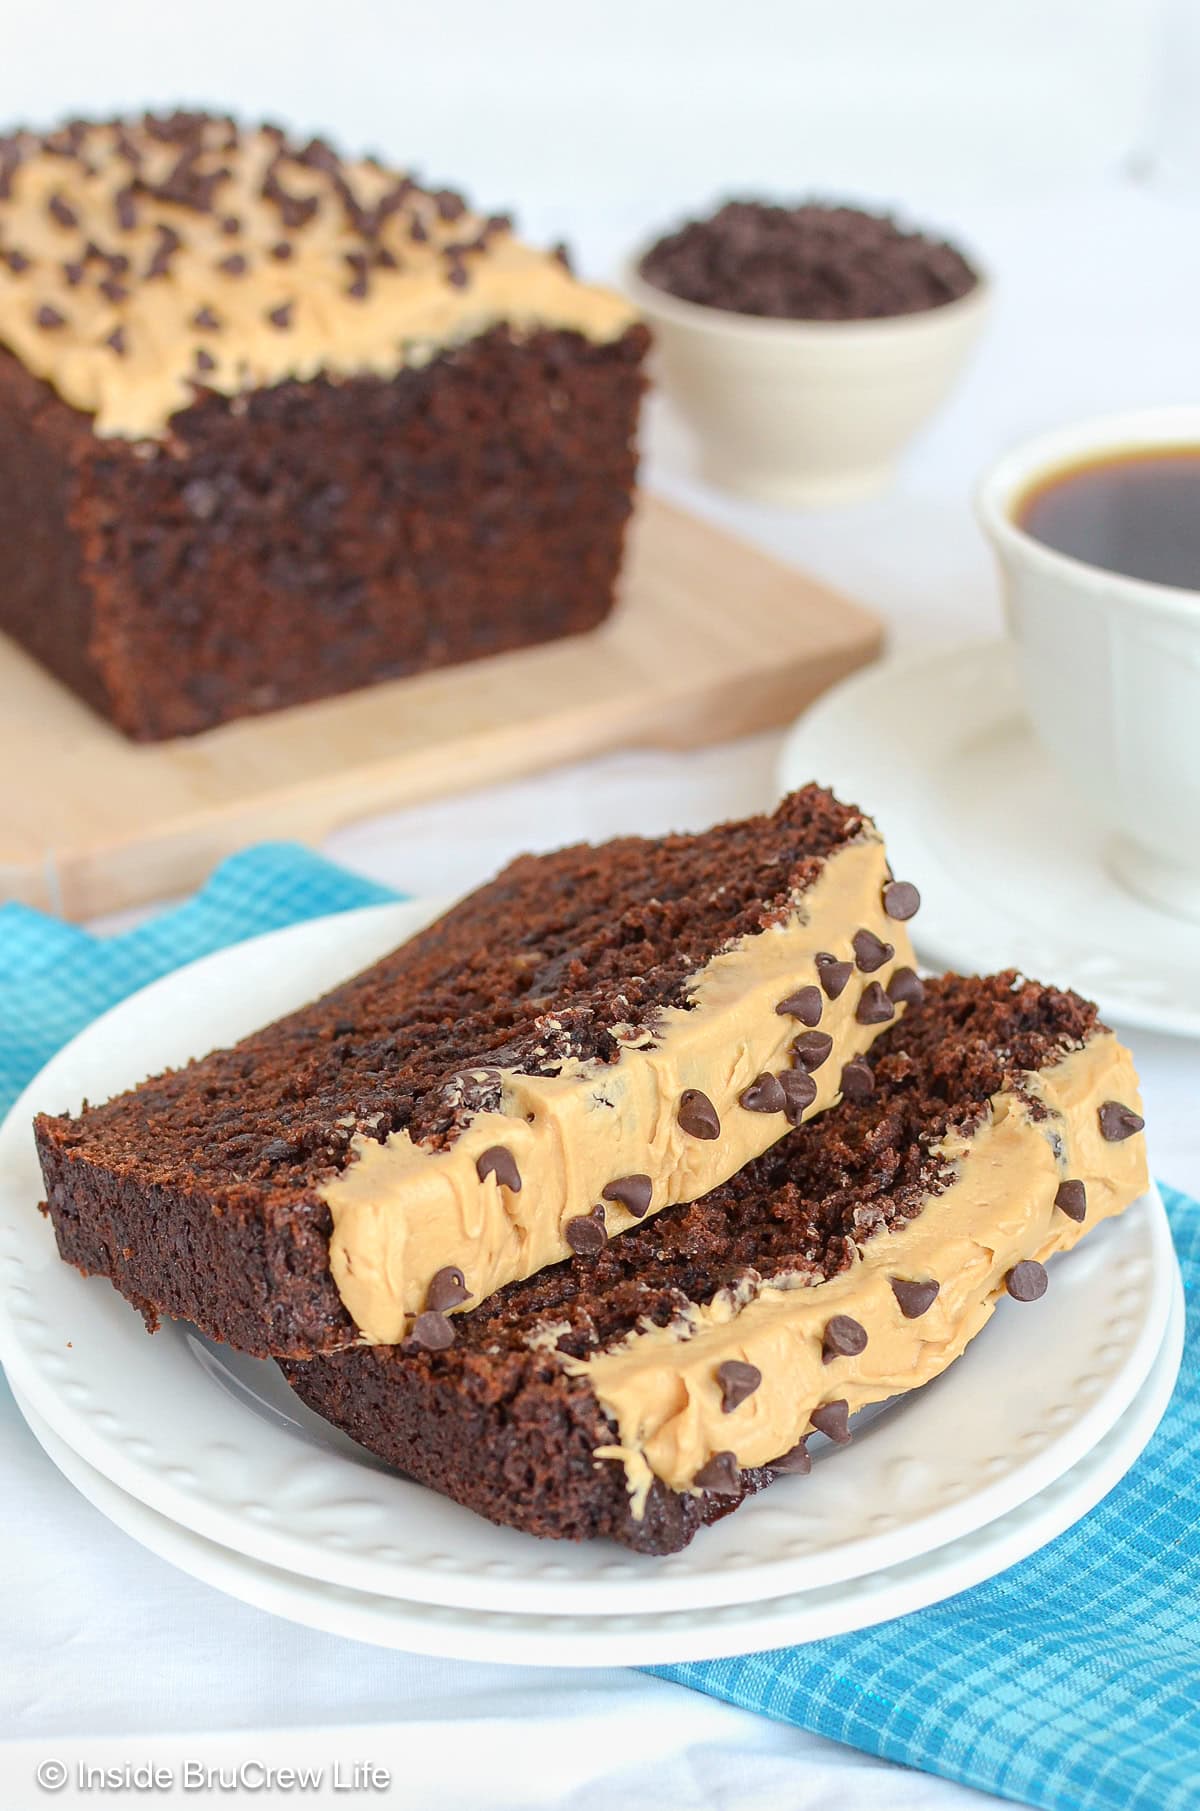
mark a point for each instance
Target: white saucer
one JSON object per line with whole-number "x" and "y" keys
{"x": 937, "y": 748}
{"x": 218, "y": 1443}
{"x": 650, "y": 1639}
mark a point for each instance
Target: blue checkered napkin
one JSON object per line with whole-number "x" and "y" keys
{"x": 55, "y": 978}
{"x": 1072, "y": 1681}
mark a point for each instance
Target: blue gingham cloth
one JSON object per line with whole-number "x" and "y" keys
{"x": 1072, "y": 1681}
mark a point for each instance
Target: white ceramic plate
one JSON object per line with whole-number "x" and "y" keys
{"x": 650, "y": 1639}
{"x": 217, "y": 1441}
{"x": 938, "y": 749}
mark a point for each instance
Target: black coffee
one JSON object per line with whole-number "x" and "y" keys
{"x": 1135, "y": 512}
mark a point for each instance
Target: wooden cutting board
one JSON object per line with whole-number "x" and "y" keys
{"x": 711, "y": 639}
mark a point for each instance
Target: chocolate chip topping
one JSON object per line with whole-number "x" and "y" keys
{"x": 799, "y": 1093}
{"x": 870, "y": 951}
{"x": 858, "y": 1081}
{"x": 205, "y": 360}
{"x": 906, "y": 987}
{"x": 49, "y": 317}
{"x": 796, "y": 1462}
{"x": 447, "y": 1289}
{"x": 632, "y": 1192}
{"x": 1118, "y": 1121}
{"x": 805, "y": 1004}
{"x": 832, "y": 974}
{"x": 833, "y": 1420}
{"x": 1072, "y": 1198}
{"x": 587, "y": 1234}
{"x": 697, "y": 1115}
{"x": 235, "y": 265}
{"x": 116, "y": 342}
{"x": 844, "y": 1337}
{"x": 737, "y": 1380}
{"x": 61, "y": 211}
{"x": 812, "y": 1048}
{"x": 914, "y": 1299}
{"x": 764, "y": 1095}
{"x": 281, "y": 316}
{"x": 874, "y": 1008}
{"x": 433, "y": 1331}
{"x": 1026, "y": 1281}
{"x": 498, "y": 1162}
{"x": 206, "y": 320}
{"x": 901, "y": 899}
{"x": 720, "y": 1474}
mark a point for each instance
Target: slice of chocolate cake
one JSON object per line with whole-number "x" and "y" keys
{"x": 594, "y": 1036}
{"x": 275, "y": 424}
{"x": 649, "y": 1386}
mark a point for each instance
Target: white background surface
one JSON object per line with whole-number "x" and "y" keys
{"x": 1056, "y": 137}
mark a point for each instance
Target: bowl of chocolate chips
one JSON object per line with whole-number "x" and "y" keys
{"x": 805, "y": 345}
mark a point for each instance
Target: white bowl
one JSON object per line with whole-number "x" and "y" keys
{"x": 804, "y": 412}
{"x": 1110, "y": 665}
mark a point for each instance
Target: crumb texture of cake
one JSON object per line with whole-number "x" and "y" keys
{"x": 593, "y": 1036}
{"x": 854, "y": 1260}
{"x": 275, "y": 424}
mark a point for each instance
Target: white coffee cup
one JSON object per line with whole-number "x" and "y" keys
{"x": 1110, "y": 665}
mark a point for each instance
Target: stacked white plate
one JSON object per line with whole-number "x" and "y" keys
{"x": 207, "y": 1459}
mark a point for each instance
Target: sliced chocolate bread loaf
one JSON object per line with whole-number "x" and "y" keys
{"x": 597, "y": 1034}
{"x": 648, "y": 1386}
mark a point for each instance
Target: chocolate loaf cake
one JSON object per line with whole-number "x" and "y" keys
{"x": 595, "y": 1035}
{"x": 644, "y": 1388}
{"x": 275, "y": 425}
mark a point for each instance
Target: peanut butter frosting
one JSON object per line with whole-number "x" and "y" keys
{"x": 747, "y": 1378}
{"x": 573, "y": 1158}
{"x": 144, "y": 261}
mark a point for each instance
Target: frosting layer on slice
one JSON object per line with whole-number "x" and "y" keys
{"x": 687, "y": 1102}
{"x": 905, "y": 1305}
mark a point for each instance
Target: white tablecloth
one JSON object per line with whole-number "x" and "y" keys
{"x": 108, "y": 1652}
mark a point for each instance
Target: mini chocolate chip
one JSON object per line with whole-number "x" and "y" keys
{"x": 914, "y": 1299}
{"x": 231, "y": 226}
{"x": 562, "y": 255}
{"x": 1072, "y": 1198}
{"x": 206, "y": 320}
{"x": 796, "y": 1462}
{"x": 720, "y": 1475}
{"x": 418, "y": 232}
{"x": 498, "y": 1162}
{"x": 74, "y": 273}
{"x": 17, "y": 262}
{"x": 799, "y": 1092}
{"x": 906, "y": 987}
{"x": 116, "y": 342}
{"x": 50, "y": 318}
{"x": 447, "y": 1289}
{"x": 205, "y": 360}
{"x": 737, "y": 1381}
{"x": 833, "y": 1420}
{"x": 805, "y": 1004}
{"x": 282, "y": 250}
{"x": 844, "y": 1338}
{"x": 874, "y": 1008}
{"x": 858, "y": 1081}
{"x": 764, "y": 1095}
{"x": 812, "y": 1048}
{"x": 1118, "y": 1122}
{"x": 234, "y": 265}
{"x": 697, "y": 1115}
{"x": 1026, "y": 1281}
{"x": 359, "y": 288}
{"x": 870, "y": 951}
{"x": 632, "y": 1192}
{"x": 586, "y": 1234}
{"x": 126, "y": 209}
{"x": 433, "y": 1331}
{"x": 61, "y": 211}
{"x": 901, "y": 899}
{"x": 832, "y": 974}
{"x": 111, "y": 290}
{"x": 281, "y": 316}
